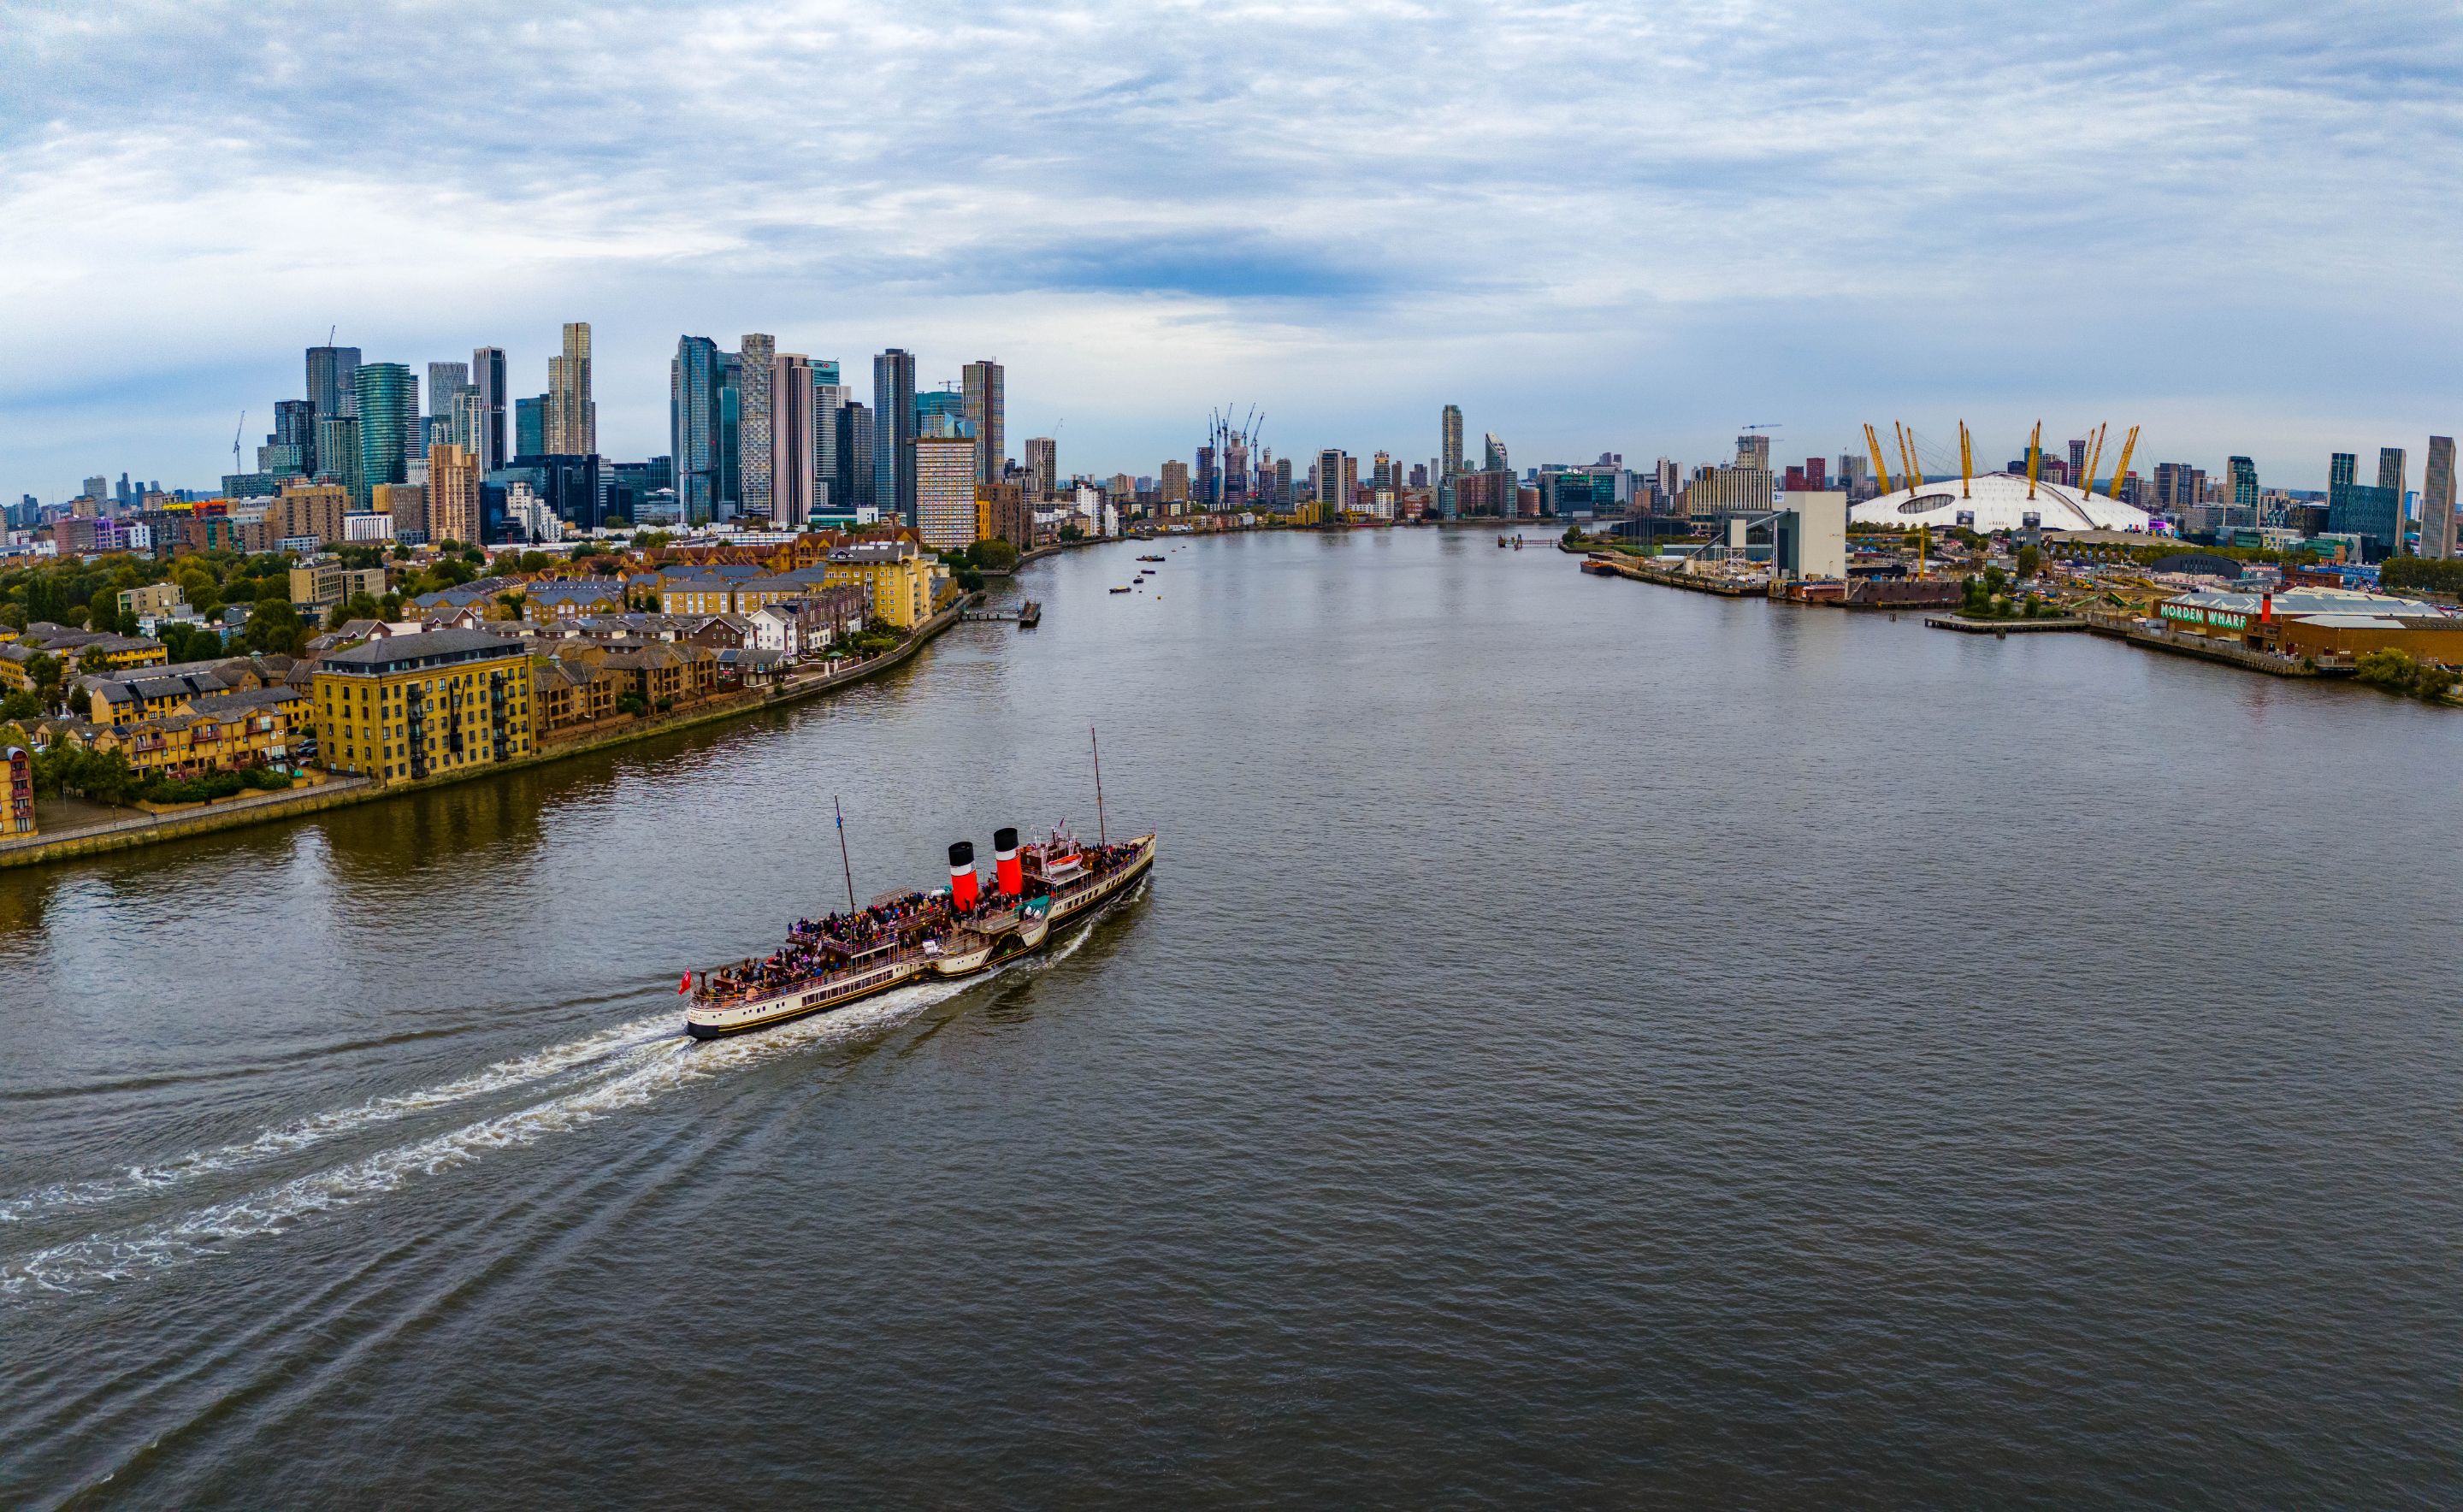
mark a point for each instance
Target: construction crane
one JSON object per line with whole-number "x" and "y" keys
{"x": 238, "y": 431}
{"x": 1881, "y": 470}
{"x": 1966, "y": 461}
{"x": 1772, "y": 426}
{"x": 2128, "y": 444}
{"x": 2034, "y": 456}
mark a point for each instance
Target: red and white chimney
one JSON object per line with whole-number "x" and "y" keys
{"x": 1008, "y": 873}
{"x": 964, "y": 889}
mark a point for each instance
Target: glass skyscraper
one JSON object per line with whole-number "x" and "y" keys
{"x": 530, "y": 426}
{"x": 893, "y": 440}
{"x": 388, "y": 400}
{"x": 693, "y": 382}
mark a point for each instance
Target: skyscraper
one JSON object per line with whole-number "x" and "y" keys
{"x": 2343, "y": 470}
{"x": 2393, "y": 468}
{"x": 1449, "y": 441}
{"x": 945, "y": 491}
{"x": 790, "y": 440}
{"x": 1495, "y": 460}
{"x": 757, "y": 422}
{"x": 388, "y": 403}
{"x": 2437, "y": 500}
{"x": 488, "y": 375}
{"x": 829, "y": 396}
{"x": 571, "y": 414}
{"x": 1042, "y": 466}
{"x": 444, "y": 380}
{"x": 1331, "y": 495}
{"x": 530, "y": 426}
{"x": 986, "y": 404}
{"x": 337, "y": 452}
{"x": 329, "y": 389}
{"x": 693, "y": 380}
{"x": 452, "y": 492}
{"x": 893, "y": 433}
{"x": 855, "y": 479}
{"x": 2244, "y": 486}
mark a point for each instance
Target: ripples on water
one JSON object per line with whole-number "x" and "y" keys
{"x": 1582, "y": 1043}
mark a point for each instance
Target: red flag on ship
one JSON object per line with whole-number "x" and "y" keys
{"x": 686, "y": 986}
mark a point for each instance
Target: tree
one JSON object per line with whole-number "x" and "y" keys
{"x": 2030, "y": 559}
{"x": 20, "y": 706}
{"x": 993, "y": 553}
{"x": 93, "y": 659}
{"x": 273, "y": 627}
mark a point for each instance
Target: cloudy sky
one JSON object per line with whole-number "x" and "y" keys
{"x": 1628, "y": 227}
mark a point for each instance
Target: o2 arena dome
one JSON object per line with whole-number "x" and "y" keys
{"x": 1997, "y": 501}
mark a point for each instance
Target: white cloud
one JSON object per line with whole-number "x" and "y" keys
{"x": 1597, "y": 226}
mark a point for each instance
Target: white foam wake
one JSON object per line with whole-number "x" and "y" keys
{"x": 507, "y": 1075}
{"x": 657, "y": 1068}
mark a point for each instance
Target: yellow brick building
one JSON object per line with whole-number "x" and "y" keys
{"x": 895, "y": 577}
{"x": 413, "y": 707}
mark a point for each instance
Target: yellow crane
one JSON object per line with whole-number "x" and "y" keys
{"x": 2034, "y": 456}
{"x": 1966, "y": 462}
{"x": 2128, "y": 445}
{"x": 1881, "y": 472}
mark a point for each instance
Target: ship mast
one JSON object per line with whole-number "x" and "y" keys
{"x": 1101, "y": 838}
{"x": 843, "y": 863}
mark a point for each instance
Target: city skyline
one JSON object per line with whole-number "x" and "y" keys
{"x": 1775, "y": 229}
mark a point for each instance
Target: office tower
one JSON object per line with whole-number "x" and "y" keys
{"x": 1331, "y": 495}
{"x": 444, "y": 382}
{"x": 1449, "y": 440}
{"x": 464, "y": 421}
{"x": 530, "y": 426}
{"x": 2244, "y": 484}
{"x": 693, "y": 380}
{"x": 893, "y": 433}
{"x": 757, "y": 420}
{"x": 945, "y": 491}
{"x": 2342, "y": 469}
{"x": 452, "y": 494}
{"x": 388, "y": 416}
{"x": 942, "y": 413}
{"x": 2437, "y": 500}
{"x": 571, "y": 414}
{"x": 987, "y": 407}
{"x": 2393, "y": 468}
{"x": 488, "y": 375}
{"x": 854, "y": 478}
{"x": 1495, "y": 460}
{"x": 337, "y": 452}
{"x": 1042, "y": 466}
{"x": 1175, "y": 483}
{"x": 2077, "y": 477}
{"x": 829, "y": 396}
{"x": 790, "y": 440}
{"x": 329, "y": 381}
{"x": 97, "y": 489}
{"x": 291, "y": 449}
{"x": 1282, "y": 498}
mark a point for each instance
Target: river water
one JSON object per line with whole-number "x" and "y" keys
{"x": 1582, "y": 1043}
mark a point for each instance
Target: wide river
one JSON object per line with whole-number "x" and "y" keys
{"x": 1582, "y": 1043}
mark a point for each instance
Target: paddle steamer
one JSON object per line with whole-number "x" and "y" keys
{"x": 906, "y": 937}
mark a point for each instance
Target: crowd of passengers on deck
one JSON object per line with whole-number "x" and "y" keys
{"x": 882, "y": 924}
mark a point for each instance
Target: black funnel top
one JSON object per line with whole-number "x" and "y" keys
{"x": 1004, "y": 839}
{"x": 962, "y": 853}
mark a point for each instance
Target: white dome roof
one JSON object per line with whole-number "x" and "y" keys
{"x": 1999, "y": 501}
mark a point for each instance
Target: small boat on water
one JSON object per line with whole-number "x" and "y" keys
{"x": 1149, "y": 559}
{"x": 1120, "y": 590}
